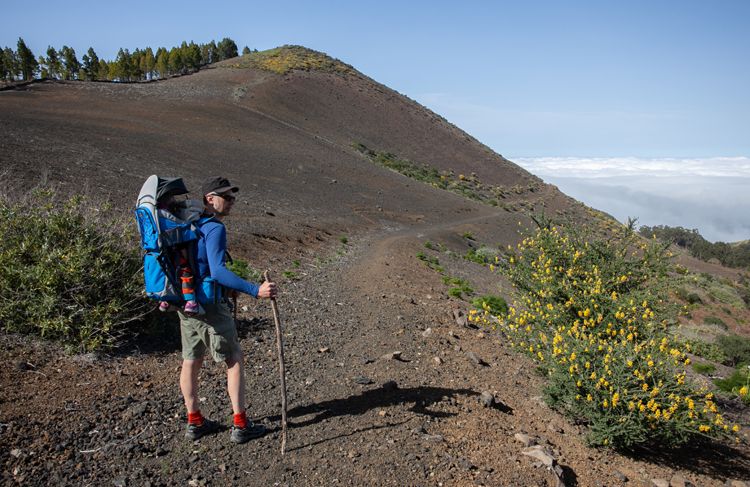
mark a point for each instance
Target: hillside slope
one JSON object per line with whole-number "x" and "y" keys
{"x": 285, "y": 139}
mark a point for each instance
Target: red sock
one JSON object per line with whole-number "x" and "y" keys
{"x": 195, "y": 418}
{"x": 240, "y": 420}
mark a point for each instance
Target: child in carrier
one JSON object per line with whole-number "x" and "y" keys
{"x": 169, "y": 208}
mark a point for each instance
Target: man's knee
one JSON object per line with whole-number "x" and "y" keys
{"x": 192, "y": 364}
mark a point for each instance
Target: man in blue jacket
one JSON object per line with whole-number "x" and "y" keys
{"x": 215, "y": 331}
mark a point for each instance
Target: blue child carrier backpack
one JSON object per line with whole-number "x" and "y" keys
{"x": 161, "y": 233}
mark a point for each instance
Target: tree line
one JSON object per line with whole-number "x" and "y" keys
{"x": 139, "y": 65}
{"x": 731, "y": 255}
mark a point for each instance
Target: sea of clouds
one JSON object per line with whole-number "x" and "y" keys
{"x": 710, "y": 194}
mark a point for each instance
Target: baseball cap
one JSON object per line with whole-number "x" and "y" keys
{"x": 218, "y": 184}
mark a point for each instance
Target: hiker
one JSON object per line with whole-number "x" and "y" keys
{"x": 215, "y": 331}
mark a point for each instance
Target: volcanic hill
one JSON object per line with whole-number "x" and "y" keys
{"x": 286, "y": 136}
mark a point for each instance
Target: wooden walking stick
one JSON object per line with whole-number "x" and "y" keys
{"x": 282, "y": 369}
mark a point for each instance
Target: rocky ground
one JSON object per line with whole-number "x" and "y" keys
{"x": 387, "y": 385}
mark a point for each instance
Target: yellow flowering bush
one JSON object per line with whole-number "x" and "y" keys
{"x": 592, "y": 313}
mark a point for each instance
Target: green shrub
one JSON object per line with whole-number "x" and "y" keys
{"x": 291, "y": 275}
{"x": 455, "y": 292}
{"x": 708, "y": 351}
{"x": 473, "y": 256}
{"x": 344, "y": 239}
{"x": 735, "y": 348}
{"x": 430, "y": 261}
{"x": 70, "y": 270}
{"x": 716, "y": 321}
{"x": 704, "y": 368}
{"x": 460, "y": 286}
{"x": 734, "y": 382}
{"x": 243, "y": 269}
{"x": 744, "y": 292}
{"x": 428, "y": 245}
{"x": 495, "y": 304}
{"x": 468, "y": 236}
{"x": 593, "y": 314}
{"x": 681, "y": 293}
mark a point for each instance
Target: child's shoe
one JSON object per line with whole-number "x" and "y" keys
{"x": 193, "y": 308}
{"x": 164, "y": 306}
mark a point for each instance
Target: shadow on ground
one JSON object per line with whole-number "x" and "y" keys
{"x": 421, "y": 399}
{"x": 707, "y": 458}
{"x": 381, "y": 397}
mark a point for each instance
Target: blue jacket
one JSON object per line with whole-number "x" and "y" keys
{"x": 211, "y": 259}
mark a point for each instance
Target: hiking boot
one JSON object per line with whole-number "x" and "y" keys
{"x": 249, "y": 432}
{"x": 195, "y": 431}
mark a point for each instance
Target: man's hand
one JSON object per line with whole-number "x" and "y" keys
{"x": 267, "y": 290}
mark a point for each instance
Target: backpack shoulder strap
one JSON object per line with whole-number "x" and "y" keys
{"x": 206, "y": 219}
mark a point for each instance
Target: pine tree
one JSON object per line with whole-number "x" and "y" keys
{"x": 72, "y": 66}
{"x": 148, "y": 62}
{"x": 175, "y": 60}
{"x": 193, "y": 56}
{"x": 162, "y": 62}
{"x": 54, "y": 67}
{"x": 91, "y": 64}
{"x": 103, "y": 71}
{"x": 211, "y": 53}
{"x": 10, "y": 64}
{"x": 43, "y": 70}
{"x": 135, "y": 65}
{"x": 227, "y": 48}
{"x": 121, "y": 66}
{"x": 26, "y": 60}
{"x": 245, "y": 50}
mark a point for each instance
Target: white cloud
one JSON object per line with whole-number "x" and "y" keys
{"x": 625, "y": 166}
{"x": 710, "y": 194}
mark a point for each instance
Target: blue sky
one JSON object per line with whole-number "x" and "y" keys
{"x": 600, "y": 79}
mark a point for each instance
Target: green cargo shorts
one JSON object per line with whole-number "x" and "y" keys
{"x": 214, "y": 331}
